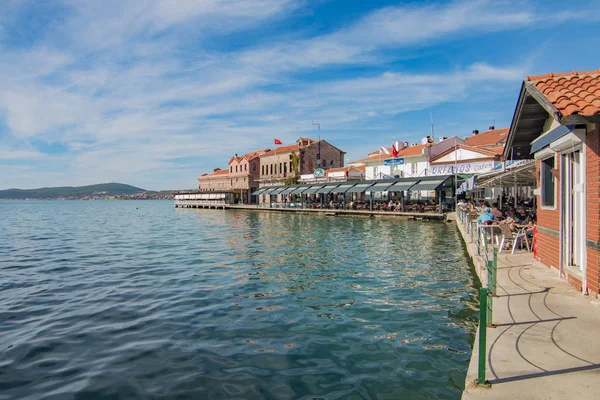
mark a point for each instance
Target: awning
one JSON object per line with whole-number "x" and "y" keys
{"x": 342, "y": 188}
{"x": 269, "y": 190}
{"x": 380, "y": 187}
{"x": 326, "y": 189}
{"x": 259, "y": 192}
{"x": 312, "y": 189}
{"x": 550, "y": 137}
{"x": 278, "y": 190}
{"x": 359, "y": 188}
{"x": 299, "y": 189}
{"x": 429, "y": 184}
{"x": 288, "y": 189}
{"x": 523, "y": 175}
{"x": 402, "y": 186}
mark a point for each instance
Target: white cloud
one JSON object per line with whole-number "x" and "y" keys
{"x": 132, "y": 83}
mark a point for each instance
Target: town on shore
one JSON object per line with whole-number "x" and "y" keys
{"x": 547, "y": 160}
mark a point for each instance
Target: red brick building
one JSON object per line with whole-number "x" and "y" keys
{"x": 557, "y": 122}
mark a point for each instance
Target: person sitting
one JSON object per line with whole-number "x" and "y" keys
{"x": 496, "y": 211}
{"x": 486, "y": 217}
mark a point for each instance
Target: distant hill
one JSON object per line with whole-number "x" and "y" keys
{"x": 103, "y": 190}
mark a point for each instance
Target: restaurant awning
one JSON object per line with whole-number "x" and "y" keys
{"x": 259, "y": 192}
{"x": 326, "y": 189}
{"x": 381, "y": 187}
{"x": 359, "y": 188}
{"x": 278, "y": 190}
{"x": 430, "y": 184}
{"x": 289, "y": 189}
{"x": 523, "y": 175}
{"x": 312, "y": 189}
{"x": 299, "y": 189}
{"x": 343, "y": 188}
{"x": 402, "y": 186}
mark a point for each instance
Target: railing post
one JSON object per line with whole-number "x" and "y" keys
{"x": 483, "y": 295}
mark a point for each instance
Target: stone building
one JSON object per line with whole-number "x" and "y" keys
{"x": 277, "y": 165}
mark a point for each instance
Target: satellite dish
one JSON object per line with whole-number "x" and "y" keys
{"x": 424, "y": 141}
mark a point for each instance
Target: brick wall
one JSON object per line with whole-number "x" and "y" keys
{"x": 548, "y": 245}
{"x": 330, "y": 155}
{"x": 593, "y": 207}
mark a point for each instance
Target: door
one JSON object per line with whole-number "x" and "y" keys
{"x": 574, "y": 210}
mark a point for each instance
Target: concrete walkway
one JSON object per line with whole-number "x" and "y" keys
{"x": 546, "y": 343}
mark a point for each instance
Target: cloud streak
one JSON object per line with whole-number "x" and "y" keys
{"x": 139, "y": 90}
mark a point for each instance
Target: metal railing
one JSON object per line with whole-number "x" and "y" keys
{"x": 487, "y": 249}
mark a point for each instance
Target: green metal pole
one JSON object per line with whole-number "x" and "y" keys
{"x": 483, "y": 294}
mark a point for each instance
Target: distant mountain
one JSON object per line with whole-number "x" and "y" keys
{"x": 103, "y": 190}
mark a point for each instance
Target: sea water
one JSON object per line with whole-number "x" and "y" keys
{"x": 137, "y": 299}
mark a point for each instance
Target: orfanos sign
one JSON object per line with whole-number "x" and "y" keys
{"x": 463, "y": 168}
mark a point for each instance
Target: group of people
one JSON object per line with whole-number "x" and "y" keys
{"x": 515, "y": 218}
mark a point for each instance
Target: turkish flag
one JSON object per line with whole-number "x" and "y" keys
{"x": 394, "y": 151}
{"x": 277, "y": 141}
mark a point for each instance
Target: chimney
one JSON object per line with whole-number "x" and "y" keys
{"x": 491, "y": 128}
{"x": 399, "y": 146}
{"x": 475, "y": 132}
{"x": 216, "y": 169}
{"x": 405, "y": 144}
{"x": 235, "y": 155}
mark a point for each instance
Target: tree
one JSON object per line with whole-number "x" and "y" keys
{"x": 292, "y": 180}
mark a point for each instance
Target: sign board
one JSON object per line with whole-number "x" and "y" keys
{"x": 319, "y": 173}
{"x": 462, "y": 168}
{"x": 393, "y": 161}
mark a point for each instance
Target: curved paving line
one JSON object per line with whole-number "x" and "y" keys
{"x": 513, "y": 281}
{"x": 563, "y": 350}
{"x": 549, "y": 309}
{"x": 531, "y": 283}
{"x": 491, "y": 352}
{"x": 531, "y": 308}
{"x": 519, "y": 350}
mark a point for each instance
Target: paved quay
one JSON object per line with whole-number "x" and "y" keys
{"x": 546, "y": 339}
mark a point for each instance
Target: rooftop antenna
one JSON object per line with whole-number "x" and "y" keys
{"x": 432, "y": 133}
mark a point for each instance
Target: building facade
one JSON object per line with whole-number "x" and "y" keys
{"x": 557, "y": 122}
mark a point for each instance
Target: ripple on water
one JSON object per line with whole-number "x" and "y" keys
{"x": 137, "y": 299}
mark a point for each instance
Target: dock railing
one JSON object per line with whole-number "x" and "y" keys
{"x": 487, "y": 242}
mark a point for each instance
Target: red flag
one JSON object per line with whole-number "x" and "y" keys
{"x": 394, "y": 151}
{"x": 277, "y": 141}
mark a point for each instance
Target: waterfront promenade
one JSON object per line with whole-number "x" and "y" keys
{"x": 545, "y": 341}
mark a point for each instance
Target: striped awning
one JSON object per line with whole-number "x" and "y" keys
{"x": 259, "y": 192}
{"x": 326, "y": 189}
{"x": 430, "y": 184}
{"x": 299, "y": 189}
{"x": 278, "y": 190}
{"x": 380, "y": 187}
{"x": 289, "y": 189}
{"x": 343, "y": 188}
{"x": 359, "y": 188}
{"x": 312, "y": 189}
{"x": 402, "y": 186}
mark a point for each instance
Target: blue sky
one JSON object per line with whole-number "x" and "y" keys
{"x": 155, "y": 92}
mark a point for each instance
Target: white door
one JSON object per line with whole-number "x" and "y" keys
{"x": 574, "y": 210}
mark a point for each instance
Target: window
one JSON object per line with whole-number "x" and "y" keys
{"x": 236, "y": 170}
{"x": 280, "y": 168}
{"x": 253, "y": 167}
{"x": 271, "y": 169}
{"x": 547, "y": 183}
{"x": 285, "y": 168}
{"x": 414, "y": 169}
{"x": 245, "y": 167}
{"x": 262, "y": 169}
{"x": 290, "y": 166}
{"x": 324, "y": 163}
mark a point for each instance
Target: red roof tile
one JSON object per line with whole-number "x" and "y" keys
{"x": 281, "y": 149}
{"x": 489, "y": 138}
{"x": 572, "y": 93}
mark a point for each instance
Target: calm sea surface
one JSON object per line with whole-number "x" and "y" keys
{"x": 134, "y": 299}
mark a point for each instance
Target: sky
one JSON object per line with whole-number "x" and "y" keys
{"x": 154, "y": 93}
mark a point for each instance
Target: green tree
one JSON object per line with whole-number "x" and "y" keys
{"x": 292, "y": 180}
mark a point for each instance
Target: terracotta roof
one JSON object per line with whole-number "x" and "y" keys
{"x": 416, "y": 150}
{"x": 572, "y": 93}
{"x": 490, "y": 153}
{"x": 489, "y": 138}
{"x": 281, "y": 149}
{"x": 216, "y": 173}
{"x": 361, "y": 168}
